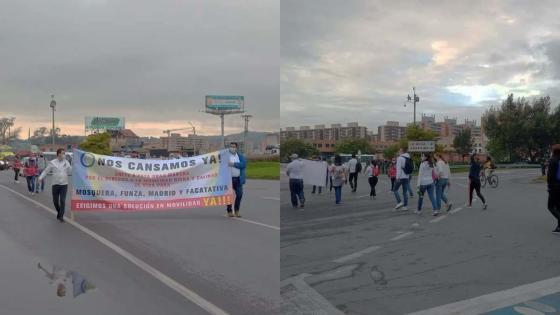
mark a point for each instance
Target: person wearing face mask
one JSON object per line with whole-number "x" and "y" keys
{"x": 237, "y": 165}
{"x": 61, "y": 169}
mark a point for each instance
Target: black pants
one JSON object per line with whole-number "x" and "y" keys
{"x": 372, "y": 182}
{"x": 238, "y": 188}
{"x": 16, "y": 174}
{"x": 353, "y": 181}
{"x": 296, "y": 192}
{"x": 330, "y": 180}
{"x": 475, "y": 185}
{"x": 59, "y": 198}
{"x": 393, "y": 183}
{"x": 554, "y": 203}
{"x": 315, "y": 189}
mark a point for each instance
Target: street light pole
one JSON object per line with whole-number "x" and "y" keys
{"x": 246, "y": 118}
{"x": 414, "y": 99}
{"x": 53, "y": 106}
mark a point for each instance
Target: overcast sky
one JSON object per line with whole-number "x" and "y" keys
{"x": 149, "y": 61}
{"x": 345, "y": 61}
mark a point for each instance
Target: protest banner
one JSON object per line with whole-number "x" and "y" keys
{"x": 314, "y": 173}
{"x": 107, "y": 183}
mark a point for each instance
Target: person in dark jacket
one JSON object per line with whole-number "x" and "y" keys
{"x": 237, "y": 165}
{"x": 474, "y": 181}
{"x": 553, "y": 185}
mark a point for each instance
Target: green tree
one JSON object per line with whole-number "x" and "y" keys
{"x": 353, "y": 146}
{"x": 97, "y": 143}
{"x": 463, "y": 142}
{"x": 301, "y": 148}
{"x": 391, "y": 151}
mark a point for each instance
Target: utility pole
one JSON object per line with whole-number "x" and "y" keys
{"x": 53, "y": 106}
{"x": 246, "y": 118}
{"x": 414, "y": 99}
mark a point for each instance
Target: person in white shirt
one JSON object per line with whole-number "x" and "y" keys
{"x": 372, "y": 172}
{"x": 60, "y": 168}
{"x": 237, "y": 164}
{"x": 426, "y": 174}
{"x": 443, "y": 181}
{"x": 353, "y": 170}
{"x": 295, "y": 173}
{"x": 402, "y": 178}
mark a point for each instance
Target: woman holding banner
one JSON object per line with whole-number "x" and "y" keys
{"x": 61, "y": 169}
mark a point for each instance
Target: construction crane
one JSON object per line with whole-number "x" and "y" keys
{"x": 168, "y": 132}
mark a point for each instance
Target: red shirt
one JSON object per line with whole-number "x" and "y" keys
{"x": 393, "y": 171}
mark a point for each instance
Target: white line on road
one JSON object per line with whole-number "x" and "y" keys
{"x": 496, "y": 300}
{"x": 398, "y": 237}
{"x": 456, "y": 210}
{"x": 356, "y": 254}
{"x": 174, "y": 285}
{"x": 271, "y": 198}
{"x": 258, "y": 223}
{"x": 438, "y": 219}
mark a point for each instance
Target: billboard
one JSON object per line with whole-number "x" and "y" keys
{"x": 421, "y": 146}
{"x": 104, "y": 123}
{"x": 224, "y": 103}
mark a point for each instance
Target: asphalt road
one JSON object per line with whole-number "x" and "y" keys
{"x": 362, "y": 257}
{"x": 233, "y": 264}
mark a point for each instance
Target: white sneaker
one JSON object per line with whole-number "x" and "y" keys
{"x": 404, "y": 209}
{"x": 418, "y": 212}
{"x": 435, "y": 213}
{"x": 399, "y": 205}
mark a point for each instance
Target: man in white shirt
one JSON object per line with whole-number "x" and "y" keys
{"x": 237, "y": 165}
{"x": 295, "y": 173}
{"x": 402, "y": 179}
{"x": 353, "y": 171}
{"x": 60, "y": 168}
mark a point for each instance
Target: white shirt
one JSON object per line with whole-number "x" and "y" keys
{"x": 60, "y": 169}
{"x": 400, "y": 164}
{"x": 295, "y": 169}
{"x": 352, "y": 165}
{"x": 443, "y": 169}
{"x": 425, "y": 174}
{"x": 235, "y": 172}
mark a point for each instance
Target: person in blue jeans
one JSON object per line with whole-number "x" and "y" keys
{"x": 443, "y": 182}
{"x": 237, "y": 164}
{"x": 295, "y": 173}
{"x": 426, "y": 176}
{"x": 402, "y": 179}
{"x": 339, "y": 176}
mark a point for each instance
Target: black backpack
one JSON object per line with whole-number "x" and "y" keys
{"x": 408, "y": 166}
{"x": 358, "y": 167}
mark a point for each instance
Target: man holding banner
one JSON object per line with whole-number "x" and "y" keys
{"x": 60, "y": 170}
{"x": 237, "y": 164}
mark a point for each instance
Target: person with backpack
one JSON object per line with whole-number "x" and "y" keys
{"x": 426, "y": 178}
{"x": 372, "y": 172}
{"x": 30, "y": 171}
{"x": 474, "y": 181}
{"x": 443, "y": 181}
{"x": 41, "y": 166}
{"x": 339, "y": 175}
{"x": 61, "y": 169}
{"x": 354, "y": 167}
{"x": 553, "y": 185}
{"x": 295, "y": 173}
{"x": 404, "y": 169}
{"x": 17, "y": 168}
{"x": 392, "y": 173}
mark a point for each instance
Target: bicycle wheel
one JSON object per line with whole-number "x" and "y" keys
{"x": 482, "y": 180}
{"x": 493, "y": 181}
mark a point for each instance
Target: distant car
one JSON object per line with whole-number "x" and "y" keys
{"x": 3, "y": 165}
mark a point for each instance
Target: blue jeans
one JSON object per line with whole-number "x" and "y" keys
{"x": 40, "y": 183}
{"x": 405, "y": 184}
{"x": 30, "y": 183}
{"x": 338, "y": 194}
{"x": 238, "y": 188}
{"x": 296, "y": 191}
{"x": 430, "y": 189}
{"x": 409, "y": 188}
{"x": 441, "y": 184}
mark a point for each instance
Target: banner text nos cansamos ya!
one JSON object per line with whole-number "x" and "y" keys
{"x": 107, "y": 183}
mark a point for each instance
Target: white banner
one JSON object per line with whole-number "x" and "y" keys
{"x": 314, "y": 173}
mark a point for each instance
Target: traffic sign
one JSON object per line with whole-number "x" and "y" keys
{"x": 421, "y": 146}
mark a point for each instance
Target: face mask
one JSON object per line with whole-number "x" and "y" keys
{"x": 232, "y": 150}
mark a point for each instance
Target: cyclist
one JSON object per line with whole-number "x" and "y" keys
{"x": 489, "y": 167}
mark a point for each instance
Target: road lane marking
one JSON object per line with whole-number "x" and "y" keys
{"x": 438, "y": 219}
{"x": 456, "y": 210}
{"x": 356, "y": 254}
{"x": 496, "y": 300}
{"x": 271, "y": 198}
{"x": 401, "y": 236}
{"x": 258, "y": 223}
{"x": 172, "y": 284}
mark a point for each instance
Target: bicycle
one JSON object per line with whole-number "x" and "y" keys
{"x": 492, "y": 180}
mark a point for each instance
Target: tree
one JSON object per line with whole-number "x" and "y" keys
{"x": 463, "y": 142}
{"x": 391, "y": 151}
{"x": 5, "y": 125}
{"x": 353, "y": 146}
{"x": 97, "y": 143}
{"x": 301, "y": 148}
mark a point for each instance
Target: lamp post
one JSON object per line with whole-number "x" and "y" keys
{"x": 414, "y": 99}
{"x": 246, "y": 131}
{"x": 53, "y": 106}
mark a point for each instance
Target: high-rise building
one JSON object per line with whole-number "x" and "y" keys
{"x": 391, "y": 132}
